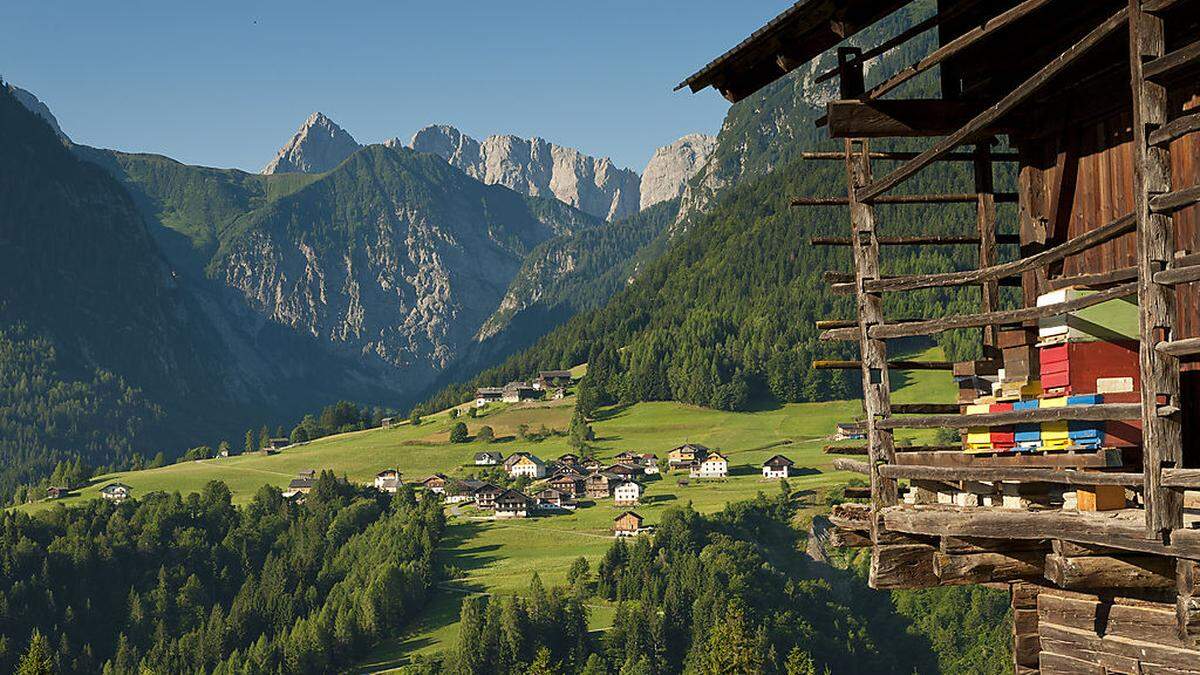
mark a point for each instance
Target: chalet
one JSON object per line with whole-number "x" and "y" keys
{"x": 512, "y": 504}
{"x": 597, "y": 485}
{"x": 525, "y": 464}
{"x": 712, "y": 465}
{"x": 459, "y": 491}
{"x": 685, "y": 455}
{"x": 307, "y": 473}
{"x": 628, "y": 524}
{"x": 649, "y": 462}
{"x": 568, "y": 459}
{"x": 435, "y": 483}
{"x": 569, "y": 483}
{"x": 553, "y": 378}
{"x": 515, "y": 392}
{"x": 388, "y": 422}
{"x": 485, "y": 495}
{"x": 1096, "y": 107}
{"x": 777, "y": 467}
{"x": 624, "y": 470}
{"x": 223, "y": 453}
{"x": 627, "y": 492}
{"x": 278, "y": 443}
{"x": 590, "y": 464}
{"x": 626, "y": 456}
{"x": 387, "y": 480}
{"x": 57, "y": 492}
{"x": 301, "y": 485}
{"x": 847, "y": 431}
{"x": 486, "y": 395}
{"x": 553, "y": 499}
{"x": 488, "y": 458}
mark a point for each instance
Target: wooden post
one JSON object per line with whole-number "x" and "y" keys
{"x": 850, "y": 72}
{"x": 1161, "y": 427}
{"x": 985, "y": 218}
{"x": 876, "y": 391}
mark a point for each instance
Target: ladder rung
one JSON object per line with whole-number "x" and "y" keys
{"x": 1177, "y": 200}
{"x": 966, "y": 198}
{"x": 1174, "y": 129}
{"x": 1165, "y": 65}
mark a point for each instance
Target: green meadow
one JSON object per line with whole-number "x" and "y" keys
{"x": 500, "y": 557}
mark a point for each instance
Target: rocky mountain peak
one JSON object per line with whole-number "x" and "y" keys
{"x": 318, "y": 146}
{"x": 672, "y": 166}
{"x": 537, "y": 167}
{"x": 34, "y": 105}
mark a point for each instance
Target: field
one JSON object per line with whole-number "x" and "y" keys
{"x": 500, "y": 557}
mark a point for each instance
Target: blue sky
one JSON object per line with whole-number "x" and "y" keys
{"x": 226, "y": 83}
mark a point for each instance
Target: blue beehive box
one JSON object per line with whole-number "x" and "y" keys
{"x": 1083, "y": 433}
{"x": 1027, "y": 436}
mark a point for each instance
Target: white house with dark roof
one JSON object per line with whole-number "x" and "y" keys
{"x": 777, "y": 467}
{"x": 626, "y": 493}
{"x": 116, "y": 492}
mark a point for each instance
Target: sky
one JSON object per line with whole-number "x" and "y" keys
{"x": 225, "y": 84}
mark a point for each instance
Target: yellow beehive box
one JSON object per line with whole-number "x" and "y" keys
{"x": 979, "y": 439}
{"x": 1055, "y": 434}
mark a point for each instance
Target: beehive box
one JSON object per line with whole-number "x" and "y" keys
{"x": 1028, "y": 437}
{"x": 1111, "y": 320}
{"x": 1108, "y": 368}
{"x": 1055, "y": 435}
{"x": 979, "y": 439}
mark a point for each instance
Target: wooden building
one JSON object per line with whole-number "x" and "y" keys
{"x": 486, "y": 494}
{"x": 489, "y": 458}
{"x": 628, "y": 524}
{"x": 685, "y": 454}
{"x": 512, "y": 504}
{"x": 525, "y": 464}
{"x": 388, "y": 480}
{"x": 568, "y": 482}
{"x": 1095, "y": 106}
{"x": 486, "y": 395}
{"x": 598, "y": 484}
{"x": 435, "y": 483}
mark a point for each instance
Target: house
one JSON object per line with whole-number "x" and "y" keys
{"x": 649, "y": 462}
{"x": 568, "y": 459}
{"x": 569, "y": 483}
{"x": 223, "y": 453}
{"x": 628, "y": 524}
{"x": 558, "y": 393}
{"x": 459, "y": 491}
{"x": 714, "y": 465}
{"x": 387, "y": 480}
{"x": 849, "y": 431}
{"x": 624, "y": 470}
{"x": 486, "y": 395}
{"x": 116, "y": 492}
{"x": 307, "y": 473}
{"x": 299, "y": 486}
{"x": 488, "y": 458}
{"x": 512, "y": 504}
{"x": 626, "y": 456}
{"x": 57, "y": 492}
{"x": 627, "y": 492}
{"x": 515, "y": 392}
{"x": 685, "y": 454}
{"x": 388, "y": 422}
{"x": 596, "y": 485}
{"x": 777, "y": 467}
{"x": 590, "y": 464}
{"x": 554, "y": 499}
{"x": 525, "y": 464}
{"x": 553, "y": 378}
{"x": 485, "y": 495}
{"x": 435, "y": 483}
{"x": 278, "y": 443}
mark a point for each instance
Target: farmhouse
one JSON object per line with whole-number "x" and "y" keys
{"x": 568, "y": 459}
{"x": 459, "y": 491}
{"x": 278, "y": 443}
{"x": 486, "y": 395}
{"x": 626, "y": 456}
{"x": 627, "y": 492}
{"x": 713, "y": 465}
{"x": 624, "y": 470}
{"x": 590, "y": 464}
{"x": 847, "y": 431}
{"x": 568, "y": 483}
{"x": 777, "y": 467}
{"x": 485, "y": 495}
{"x": 299, "y": 486}
{"x": 57, "y": 492}
{"x": 628, "y": 524}
{"x": 515, "y": 392}
{"x": 597, "y": 485}
{"x": 488, "y": 458}
{"x": 553, "y": 378}
{"x": 387, "y": 480}
{"x": 307, "y": 473}
{"x": 435, "y": 483}
{"x": 649, "y": 462}
{"x": 388, "y": 422}
{"x": 512, "y": 504}
{"x": 525, "y": 464}
{"x": 553, "y": 499}
{"x": 1088, "y": 393}
{"x": 685, "y": 455}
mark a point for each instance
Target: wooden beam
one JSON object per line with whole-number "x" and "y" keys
{"x": 996, "y": 474}
{"x": 985, "y": 221}
{"x": 987, "y": 567}
{"x": 1178, "y": 275}
{"x": 898, "y": 365}
{"x": 959, "y": 198}
{"x": 1111, "y": 572}
{"x": 900, "y": 38}
{"x": 1188, "y": 479}
{"x": 1177, "y": 200}
{"x": 922, "y": 240}
{"x": 903, "y": 156}
{"x": 1162, "y": 435}
{"x": 1169, "y": 63}
{"x": 1091, "y": 238}
{"x": 956, "y": 45}
{"x": 1176, "y": 128}
{"x": 1079, "y": 458}
{"x": 902, "y": 117}
{"x": 1094, "y": 278}
{"x": 987, "y": 118}
{"x": 925, "y": 408}
{"x": 852, "y": 466}
{"x": 934, "y": 326}
{"x": 1094, "y": 413}
{"x": 902, "y": 566}
{"x": 900, "y": 449}
{"x": 1179, "y": 348}
{"x": 1187, "y": 604}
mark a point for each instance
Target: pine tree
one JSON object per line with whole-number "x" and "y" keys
{"x": 542, "y": 664}
{"x": 264, "y": 437}
{"x": 459, "y": 433}
{"x": 37, "y": 659}
{"x": 249, "y": 446}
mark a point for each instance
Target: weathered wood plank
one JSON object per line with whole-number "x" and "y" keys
{"x": 1086, "y": 459}
{"x": 978, "y": 568}
{"x": 1178, "y": 275}
{"x": 1181, "y": 478}
{"x": 854, "y": 118}
{"x": 1123, "y": 654}
{"x": 1179, "y": 348}
{"x": 1187, "y": 603}
{"x": 1095, "y": 413}
{"x": 1169, "y": 63}
{"x": 1111, "y": 572}
{"x": 959, "y": 545}
{"x": 992, "y": 474}
{"x": 985, "y": 221}
{"x": 955, "y": 198}
{"x": 902, "y": 566}
{"x": 1092, "y": 279}
{"x": 854, "y": 466}
{"x": 994, "y": 113}
{"x": 922, "y": 240}
{"x": 1083, "y": 242}
{"x": 1176, "y": 200}
{"x": 900, "y": 449}
{"x": 902, "y": 156}
{"x": 827, "y": 364}
{"x": 1176, "y": 128}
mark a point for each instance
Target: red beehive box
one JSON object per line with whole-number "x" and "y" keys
{"x": 1003, "y": 438}
{"x": 1108, "y": 368}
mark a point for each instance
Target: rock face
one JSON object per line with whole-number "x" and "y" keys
{"x": 672, "y": 166}
{"x": 35, "y": 106}
{"x": 537, "y": 168}
{"x": 319, "y": 145}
